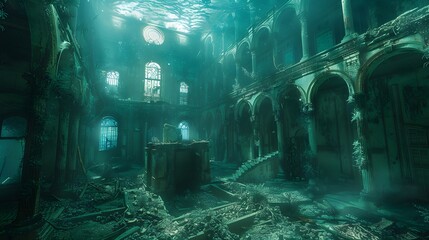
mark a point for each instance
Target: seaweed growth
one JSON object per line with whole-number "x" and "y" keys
{"x": 359, "y": 155}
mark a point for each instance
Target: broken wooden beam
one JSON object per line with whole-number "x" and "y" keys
{"x": 240, "y": 224}
{"x": 127, "y": 233}
{"x": 91, "y": 215}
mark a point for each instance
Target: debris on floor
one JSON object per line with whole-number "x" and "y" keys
{"x": 125, "y": 209}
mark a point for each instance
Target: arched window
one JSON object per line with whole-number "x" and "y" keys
{"x": 183, "y": 97}
{"x": 152, "y": 82}
{"x": 184, "y": 128}
{"x": 14, "y": 127}
{"x": 153, "y": 35}
{"x": 112, "y": 78}
{"x": 108, "y": 134}
{"x": 12, "y": 145}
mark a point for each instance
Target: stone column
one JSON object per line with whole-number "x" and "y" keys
{"x": 310, "y": 121}
{"x": 237, "y": 75}
{"x": 254, "y": 58}
{"x": 276, "y": 50}
{"x": 35, "y": 140}
{"x": 360, "y": 145}
{"x": 308, "y": 111}
{"x": 304, "y": 36}
{"x": 62, "y": 140}
{"x": 236, "y": 28}
{"x": 280, "y": 137}
{"x": 256, "y": 137}
{"x": 348, "y": 20}
{"x": 72, "y": 144}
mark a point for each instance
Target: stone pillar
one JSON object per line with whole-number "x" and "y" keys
{"x": 364, "y": 163}
{"x": 35, "y": 140}
{"x": 310, "y": 121}
{"x": 223, "y": 41}
{"x": 304, "y": 36}
{"x": 308, "y": 111}
{"x": 62, "y": 140}
{"x": 72, "y": 144}
{"x": 348, "y": 20}
{"x": 276, "y": 50}
{"x": 256, "y": 138}
{"x": 254, "y": 57}
{"x": 280, "y": 137}
{"x": 236, "y": 28}
{"x": 237, "y": 75}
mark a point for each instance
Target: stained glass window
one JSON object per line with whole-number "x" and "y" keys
{"x": 183, "y": 97}
{"x": 153, "y": 35}
{"x": 112, "y": 78}
{"x": 108, "y": 134}
{"x": 152, "y": 83}
{"x": 184, "y": 128}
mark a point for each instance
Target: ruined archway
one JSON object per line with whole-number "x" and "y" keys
{"x": 295, "y": 135}
{"x": 266, "y": 126}
{"x": 395, "y": 87}
{"x": 263, "y": 47}
{"x": 333, "y": 128}
{"x": 244, "y": 60}
{"x": 288, "y": 38}
{"x": 245, "y": 146}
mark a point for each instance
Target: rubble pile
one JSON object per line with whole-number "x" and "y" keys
{"x": 229, "y": 210}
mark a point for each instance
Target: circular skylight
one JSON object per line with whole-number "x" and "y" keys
{"x": 153, "y": 35}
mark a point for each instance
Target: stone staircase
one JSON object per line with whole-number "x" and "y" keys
{"x": 258, "y": 169}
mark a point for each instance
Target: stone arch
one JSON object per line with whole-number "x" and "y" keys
{"x": 240, "y": 105}
{"x": 209, "y": 48}
{"x": 376, "y": 59}
{"x": 229, "y": 67}
{"x": 396, "y": 112}
{"x": 258, "y": 99}
{"x": 13, "y": 131}
{"x": 333, "y": 132}
{"x": 295, "y": 133}
{"x": 244, "y": 145}
{"x": 244, "y": 61}
{"x": 322, "y": 77}
{"x": 293, "y": 87}
{"x": 266, "y": 128}
{"x": 262, "y": 45}
{"x": 287, "y": 32}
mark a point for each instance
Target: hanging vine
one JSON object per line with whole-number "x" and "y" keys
{"x": 359, "y": 155}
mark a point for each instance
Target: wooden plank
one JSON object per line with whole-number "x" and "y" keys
{"x": 240, "y": 224}
{"x": 222, "y": 193}
{"x": 127, "y": 233}
{"x": 209, "y": 210}
{"x": 91, "y": 215}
